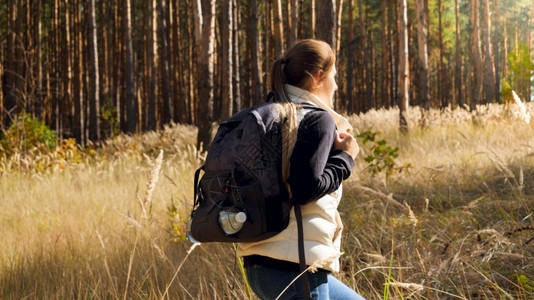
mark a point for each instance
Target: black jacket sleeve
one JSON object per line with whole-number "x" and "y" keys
{"x": 316, "y": 169}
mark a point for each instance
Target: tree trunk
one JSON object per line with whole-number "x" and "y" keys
{"x": 412, "y": 62}
{"x": 67, "y": 109}
{"x": 313, "y": 18}
{"x": 477, "y": 56}
{"x": 255, "y": 51}
{"x": 325, "y": 22}
{"x": 152, "y": 116}
{"x": 131, "y": 99}
{"x": 530, "y": 45}
{"x": 367, "y": 59}
{"x": 403, "y": 66}
{"x": 488, "y": 78}
{"x": 79, "y": 84}
{"x": 237, "y": 105}
{"x": 361, "y": 60}
{"x": 531, "y": 31}
{"x": 393, "y": 66}
{"x": 24, "y": 42}
{"x": 146, "y": 65}
{"x": 118, "y": 67}
{"x": 227, "y": 58}
{"x": 268, "y": 40}
{"x": 94, "y": 75}
{"x": 204, "y": 38}
{"x": 1, "y": 96}
{"x": 8, "y": 80}
{"x": 496, "y": 40}
{"x": 168, "y": 105}
{"x": 174, "y": 69}
{"x": 384, "y": 67}
{"x": 442, "y": 83}
{"x": 39, "y": 57}
{"x": 458, "y": 64}
{"x": 107, "y": 8}
{"x": 423, "y": 83}
{"x": 68, "y": 55}
{"x": 427, "y": 14}
{"x": 294, "y": 22}
{"x": 350, "y": 60}
{"x": 278, "y": 29}
{"x": 170, "y": 29}
{"x": 191, "y": 63}
{"x": 517, "y": 85}
{"x": 505, "y": 51}
{"x": 58, "y": 109}
{"x": 337, "y": 37}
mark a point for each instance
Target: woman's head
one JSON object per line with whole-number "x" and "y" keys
{"x": 305, "y": 65}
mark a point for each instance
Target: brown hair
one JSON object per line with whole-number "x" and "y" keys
{"x": 297, "y": 67}
{"x": 299, "y": 64}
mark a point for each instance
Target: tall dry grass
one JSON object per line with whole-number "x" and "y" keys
{"x": 101, "y": 229}
{"x": 458, "y": 224}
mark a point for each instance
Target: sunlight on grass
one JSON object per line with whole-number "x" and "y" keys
{"x": 461, "y": 217}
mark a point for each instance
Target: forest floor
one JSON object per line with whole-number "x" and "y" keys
{"x": 450, "y": 217}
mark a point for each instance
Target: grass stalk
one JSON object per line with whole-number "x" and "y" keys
{"x": 312, "y": 268}
{"x": 130, "y": 263}
{"x": 178, "y": 269}
{"x": 388, "y": 279}
{"x": 242, "y": 268}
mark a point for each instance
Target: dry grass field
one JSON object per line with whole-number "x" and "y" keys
{"x": 108, "y": 223}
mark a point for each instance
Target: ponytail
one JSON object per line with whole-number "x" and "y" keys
{"x": 278, "y": 79}
{"x": 288, "y": 113}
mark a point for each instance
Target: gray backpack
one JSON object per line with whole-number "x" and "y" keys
{"x": 243, "y": 171}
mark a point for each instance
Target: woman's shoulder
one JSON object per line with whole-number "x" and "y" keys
{"x": 316, "y": 121}
{"x": 317, "y": 116}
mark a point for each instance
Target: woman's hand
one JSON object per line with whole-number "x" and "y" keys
{"x": 347, "y": 143}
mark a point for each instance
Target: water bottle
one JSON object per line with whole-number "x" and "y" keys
{"x": 188, "y": 235}
{"x": 231, "y": 220}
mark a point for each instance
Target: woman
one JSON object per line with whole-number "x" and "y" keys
{"x": 319, "y": 154}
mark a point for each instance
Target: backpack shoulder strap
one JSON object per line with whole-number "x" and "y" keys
{"x": 301, "y": 113}
{"x": 197, "y": 176}
{"x": 302, "y": 256}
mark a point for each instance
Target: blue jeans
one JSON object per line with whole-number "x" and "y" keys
{"x": 268, "y": 283}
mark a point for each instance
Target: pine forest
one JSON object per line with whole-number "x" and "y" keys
{"x": 92, "y": 69}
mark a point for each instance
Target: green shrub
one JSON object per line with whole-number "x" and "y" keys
{"x": 382, "y": 157}
{"x": 110, "y": 122}
{"x": 28, "y": 133}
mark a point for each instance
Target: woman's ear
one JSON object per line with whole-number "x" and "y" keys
{"x": 317, "y": 78}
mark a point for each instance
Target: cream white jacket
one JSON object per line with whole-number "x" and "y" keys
{"x": 322, "y": 235}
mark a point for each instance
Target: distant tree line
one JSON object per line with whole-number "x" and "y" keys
{"x": 92, "y": 68}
